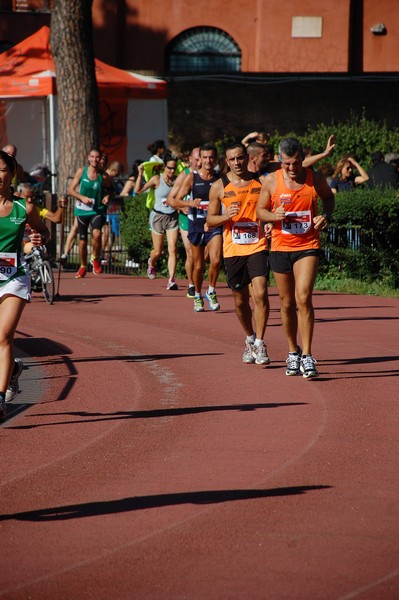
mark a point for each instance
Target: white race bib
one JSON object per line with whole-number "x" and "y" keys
{"x": 245, "y": 232}
{"x": 8, "y": 265}
{"x": 297, "y": 223}
{"x": 81, "y": 206}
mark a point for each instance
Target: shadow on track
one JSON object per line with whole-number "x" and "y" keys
{"x": 91, "y": 509}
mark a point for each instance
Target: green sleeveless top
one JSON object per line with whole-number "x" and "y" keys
{"x": 11, "y": 236}
{"x": 92, "y": 188}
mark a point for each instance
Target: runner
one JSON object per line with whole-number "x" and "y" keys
{"x": 14, "y": 281}
{"x": 235, "y": 195}
{"x": 194, "y": 164}
{"x": 198, "y": 184}
{"x": 95, "y": 186}
{"x": 163, "y": 218}
{"x": 288, "y": 201}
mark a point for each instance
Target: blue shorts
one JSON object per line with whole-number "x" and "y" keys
{"x": 113, "y": 222}
{"x": 198, "y": 238}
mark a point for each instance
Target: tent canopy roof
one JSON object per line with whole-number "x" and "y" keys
{"x": 27, "y": 69}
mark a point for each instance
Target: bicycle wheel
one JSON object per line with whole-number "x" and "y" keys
{"x": 48, "y": 281}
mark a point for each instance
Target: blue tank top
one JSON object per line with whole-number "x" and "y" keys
{"x": 200, "y": 189}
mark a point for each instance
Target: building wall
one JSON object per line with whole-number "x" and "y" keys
{"x": 263, "y": 31}
{"x": 381, "y": 52}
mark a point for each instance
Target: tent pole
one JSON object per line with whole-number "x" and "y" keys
{"x": 52, "y": 143}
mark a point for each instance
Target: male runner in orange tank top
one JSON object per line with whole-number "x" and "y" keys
{"x": 288, "y": 201}
{"x": 232, "y": 203}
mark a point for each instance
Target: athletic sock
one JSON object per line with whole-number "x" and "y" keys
{"x": 210, "y": 289}
{"x": 258, "y": 342}
{"x": 251, "y": 338}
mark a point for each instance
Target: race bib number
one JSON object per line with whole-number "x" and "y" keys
{"x": 297, "y": 223}
{"x": 245, "y": 232}
{"x": 8, "y": 265}
{"x": 81, "y": 206}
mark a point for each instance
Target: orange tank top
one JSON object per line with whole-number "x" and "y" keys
{"x": 296, "y": 232}
{"x": 242, "y": 235}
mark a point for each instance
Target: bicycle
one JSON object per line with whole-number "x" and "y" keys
{"x": 41, "y": 273}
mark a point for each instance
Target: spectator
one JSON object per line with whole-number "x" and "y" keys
{"x": 20, "y": 174}
{"x": 111, "y": 229}
{"x": 128, "y": 188}
{"x": 157, "y": 150}
{"x": 344, "y": 180}
{"x": 382, "y": 175}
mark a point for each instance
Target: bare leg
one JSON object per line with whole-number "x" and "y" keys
{"x": 188, "y": 265}
{"x": 305, "y": 272}
{"x": 157, "y": 242}
{"x": 243, "y": 309}
{"x": 215, "y": 255}
{"x": 198, "y": 267}
{"x": 261, "y": 305}
{"x": 11, "y": 309}
{"x": 172, "y": 236}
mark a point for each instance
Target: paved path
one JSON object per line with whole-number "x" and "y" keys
{"x": 143, "y": 460}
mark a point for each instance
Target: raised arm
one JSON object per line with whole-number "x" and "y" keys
{"x": 309, "y": 161}
{"x": 362, "y": 177}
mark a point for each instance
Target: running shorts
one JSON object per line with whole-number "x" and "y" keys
{"x": 94, "y": 221}
{"x": 283, "y": 262}
{"x": 160, "y": 223}
{"x": 241, "y": 270}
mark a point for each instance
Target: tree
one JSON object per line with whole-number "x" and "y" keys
{"x": 71, "y": 43}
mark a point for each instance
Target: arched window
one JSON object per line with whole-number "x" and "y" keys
{"x": 203, "y": 50}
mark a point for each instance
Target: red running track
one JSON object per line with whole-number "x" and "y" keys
{"x": 143, "y": 460}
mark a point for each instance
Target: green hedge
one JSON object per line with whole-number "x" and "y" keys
{"x": 363, "y": 240}
{"x": 361, "y": 243}
{"x": 137, "y": 240}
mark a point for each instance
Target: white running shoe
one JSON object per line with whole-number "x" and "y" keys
{"x": 260, "y": 354}
{"x": 248, "y": 356}
{"x": 293, "y": 362}
{"x": 308, "y": 366}
{"x": 212, "y": 300}
{"x": 13, "y": 387}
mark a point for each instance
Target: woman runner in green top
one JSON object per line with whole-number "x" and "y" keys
{"x": 14, "y": 281}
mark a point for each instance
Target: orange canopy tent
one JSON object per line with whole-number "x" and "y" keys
{"x": 132, "y": 107}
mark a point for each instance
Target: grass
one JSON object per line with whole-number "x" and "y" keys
{"x": 354, "y": 286}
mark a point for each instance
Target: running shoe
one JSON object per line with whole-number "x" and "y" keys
{"x": 13, "y": 387}
{"x": 293, "y": 362}
{"x": 260, "y": 354}
{"x": 248, "y": 356}
{"x": 63, "y": 259}
{"x": 97, "y": 268}
{"x": 198, "y": 304}
{"x": 81, "y": 273}
{"x": 191, "y": 291}
{"x": 212, "y": 300}
{"x": 3, "y": 409}
{"x": 308, "y": 366}
{"x": 172, "y": 285}
{"x": 151, "y": 272}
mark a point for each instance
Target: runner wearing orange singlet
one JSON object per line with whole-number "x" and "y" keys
{"x": 232, "y": 203}
{"x": 288, "y": 201}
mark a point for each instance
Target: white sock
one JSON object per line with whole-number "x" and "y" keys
{"x": 210, "y": 289}
{"x": 251, "y": 338}
{"x": 258, "y": 342}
